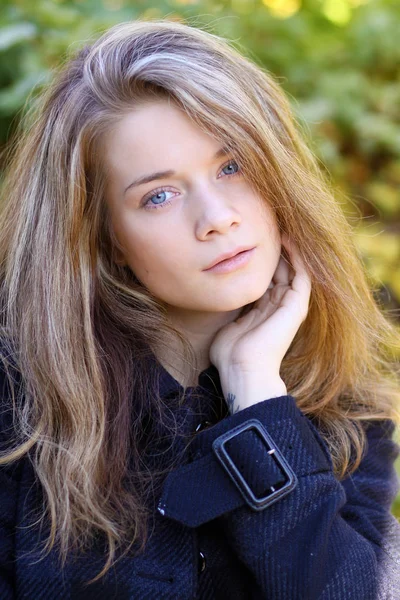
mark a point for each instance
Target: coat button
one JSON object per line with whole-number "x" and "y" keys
{"x": 202, "y": 425}
{"x": 202, "y": 562}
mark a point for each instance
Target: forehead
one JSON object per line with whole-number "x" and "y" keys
{"x": 157, "y": 130}
{"x": 157, "y": 136}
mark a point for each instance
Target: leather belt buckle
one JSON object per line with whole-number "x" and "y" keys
{"x": 287, "y": 480}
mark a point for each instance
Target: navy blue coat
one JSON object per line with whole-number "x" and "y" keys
{"x": 253, "y": 511}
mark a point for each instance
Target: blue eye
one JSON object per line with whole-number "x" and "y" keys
{"x": 229, "y": 164}
{"x": 160, "y": 192}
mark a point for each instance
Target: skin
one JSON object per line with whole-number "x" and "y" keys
{"x": 249, "y": 351}
{"x": 205, "y": 209}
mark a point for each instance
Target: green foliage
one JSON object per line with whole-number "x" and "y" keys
{"x": 337, "y": 60}
{"x": 340, "y": 70}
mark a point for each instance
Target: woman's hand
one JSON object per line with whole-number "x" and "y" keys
{"x": 249, "y": 351}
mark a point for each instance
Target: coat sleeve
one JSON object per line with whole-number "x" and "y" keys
{"x": 318, "y": 538}
{"x": 9, "y": 486}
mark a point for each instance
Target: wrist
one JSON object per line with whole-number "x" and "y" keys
{"x": 242, "y": 392}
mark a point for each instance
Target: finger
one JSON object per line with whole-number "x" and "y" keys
{"x": 301, "y": 290}
{"x": 298, "y": 264}
{"x": 286, "y": 254}
{"x": 269, "y": 301}
{"x": 301, "y": 283}
{"x": 301, "y": 280}
{"x": 282, "y": 273}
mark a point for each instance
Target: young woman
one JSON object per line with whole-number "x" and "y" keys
{"x": 173, "y": 424}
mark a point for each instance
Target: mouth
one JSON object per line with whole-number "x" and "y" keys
{"x": 228, "y": 255}
{"x": 238, "y": 260}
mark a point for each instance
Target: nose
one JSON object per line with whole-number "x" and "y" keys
{"x": 216, "y": 212}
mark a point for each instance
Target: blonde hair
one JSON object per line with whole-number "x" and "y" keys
{"x": 79, "y": 328}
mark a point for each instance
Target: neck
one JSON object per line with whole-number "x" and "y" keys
{"x": 200, "y": 330}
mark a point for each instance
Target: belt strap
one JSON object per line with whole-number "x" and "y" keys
{"x": 244, "y": 466}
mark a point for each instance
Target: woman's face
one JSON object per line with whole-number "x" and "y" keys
{"x": 172, "y": 226}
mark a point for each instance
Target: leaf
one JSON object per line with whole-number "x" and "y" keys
{"x": 15, "y": 34}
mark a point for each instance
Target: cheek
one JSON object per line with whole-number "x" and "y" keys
{"x": 161, "y": 268}
{"x": 274, "y": 234}
{"x": 272, "y": 244}
{"x": 156, "y": 262}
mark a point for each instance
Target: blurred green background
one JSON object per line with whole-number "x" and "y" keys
{"x": 338, "y": 61}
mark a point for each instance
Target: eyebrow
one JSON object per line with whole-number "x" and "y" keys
{"x": 163, "y": 174}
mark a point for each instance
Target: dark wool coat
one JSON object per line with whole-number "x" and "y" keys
{"x": 252, "y": 511}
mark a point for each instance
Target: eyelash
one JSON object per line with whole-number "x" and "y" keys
{"x": 167, "y": 202}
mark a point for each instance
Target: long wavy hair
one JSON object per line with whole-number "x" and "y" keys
{"x": 78, "y": 328}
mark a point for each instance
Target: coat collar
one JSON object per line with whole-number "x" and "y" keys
{"x": 204, "y": 405}
{"x": 209, "y": 382}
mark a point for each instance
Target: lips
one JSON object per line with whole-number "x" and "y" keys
{"x": 228, "y": 255}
